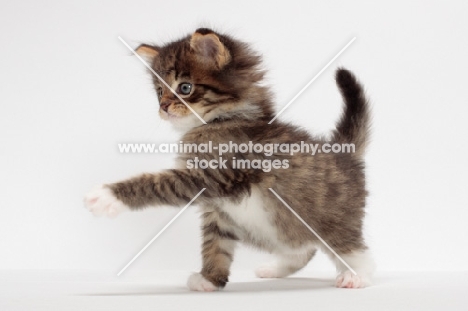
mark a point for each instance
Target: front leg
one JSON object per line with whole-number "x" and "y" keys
{"x": 219, "y": 241}
{"x": 173, "y": 187}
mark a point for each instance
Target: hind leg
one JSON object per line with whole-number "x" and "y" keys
{"x": 362, "y": 263}
{"x": 286, "y": 263}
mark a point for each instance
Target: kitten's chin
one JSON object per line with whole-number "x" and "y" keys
{"x": 184, "y": 123}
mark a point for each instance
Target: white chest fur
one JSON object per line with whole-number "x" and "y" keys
{"x": 252, "y": 217}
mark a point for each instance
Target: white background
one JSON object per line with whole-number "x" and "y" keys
{"x": 70, "y": 91}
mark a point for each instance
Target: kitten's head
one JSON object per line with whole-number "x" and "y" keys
{"x": 217, "y": 76}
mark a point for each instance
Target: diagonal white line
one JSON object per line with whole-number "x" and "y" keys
{"x": 160, "y": 232}
{"x": 313, "y": 231}
{"x": 313, "y": 79}
{"x": 161, "y": 79}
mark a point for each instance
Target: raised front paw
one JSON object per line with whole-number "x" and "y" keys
{"x": 101, "y": 201}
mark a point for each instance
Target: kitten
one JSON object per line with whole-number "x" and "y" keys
{"x": 221, "y": 79}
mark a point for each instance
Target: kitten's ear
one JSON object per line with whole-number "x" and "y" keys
{"x": 209, "y": 49}
{"x": 147, "y": 52}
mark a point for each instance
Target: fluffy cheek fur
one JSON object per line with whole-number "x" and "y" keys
{"x": 182, "y": 117}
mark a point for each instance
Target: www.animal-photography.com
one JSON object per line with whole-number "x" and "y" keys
{"x": 236, "y": 155}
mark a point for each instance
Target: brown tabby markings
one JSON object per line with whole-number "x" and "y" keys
{"x": 217, "y": 249}
{"x": 326, "y": 190}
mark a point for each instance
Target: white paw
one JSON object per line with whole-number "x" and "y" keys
{"x": 197, "y": 282}
{"x": 268, "y": 271}
{"x": 349, "y": 280}
{"x": 101, "y": 201}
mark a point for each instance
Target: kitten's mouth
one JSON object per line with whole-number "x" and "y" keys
{"x": 169, "y": 116}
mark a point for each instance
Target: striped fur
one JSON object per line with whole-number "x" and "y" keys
{"x": 327, "y": 190}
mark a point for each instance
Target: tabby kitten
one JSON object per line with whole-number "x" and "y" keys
{"x": 221, "y": 79}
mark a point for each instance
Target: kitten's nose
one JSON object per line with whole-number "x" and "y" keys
{"x": 164, "y": 105}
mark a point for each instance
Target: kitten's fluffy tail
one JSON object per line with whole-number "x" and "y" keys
{"x": 353, "y": 126}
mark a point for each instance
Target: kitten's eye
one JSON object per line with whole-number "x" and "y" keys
{"x": 185, "y": 88}
{"x": 160, "y": 93}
